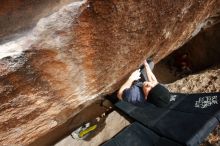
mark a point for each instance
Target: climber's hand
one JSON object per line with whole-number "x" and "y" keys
{"x": 149, "y": 84}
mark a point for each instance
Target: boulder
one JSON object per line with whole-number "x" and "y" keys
{"x": 84, "y": 50}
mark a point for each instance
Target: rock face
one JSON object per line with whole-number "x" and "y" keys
{"x": 85, "y": 50}
{"x": 198, "y": 54}
{"x": 18, "y": 16}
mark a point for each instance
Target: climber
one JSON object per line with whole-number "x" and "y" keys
{"x": 142, "y": 86}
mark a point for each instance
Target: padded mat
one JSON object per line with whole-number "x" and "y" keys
{"x": 188, "y": 119}
{"x": 138, "y": 135}
{"x": 201, "y": 103}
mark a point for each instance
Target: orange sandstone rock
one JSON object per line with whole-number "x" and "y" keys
{"x": 80, "y": 52}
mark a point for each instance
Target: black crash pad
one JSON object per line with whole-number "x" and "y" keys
{"x": 184, "y": 121}
{"x": 200, "y": 103}
{"x": 138, "y": 135}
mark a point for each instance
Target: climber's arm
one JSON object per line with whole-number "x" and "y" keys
{"x": 134, "y": 76}
{"x": 150, "y": 75}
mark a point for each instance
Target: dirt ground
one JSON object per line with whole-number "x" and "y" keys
{"x": 114, "y": 122}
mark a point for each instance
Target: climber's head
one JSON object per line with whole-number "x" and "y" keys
{"x": 159, "y": 96}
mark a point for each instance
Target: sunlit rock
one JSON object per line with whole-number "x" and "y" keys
{"x": 83, "y": 51}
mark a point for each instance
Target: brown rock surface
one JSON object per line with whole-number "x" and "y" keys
{"x": 20, "y": 15}
{"x": 199, "y": 53}
{"x": 86, "y": 49}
